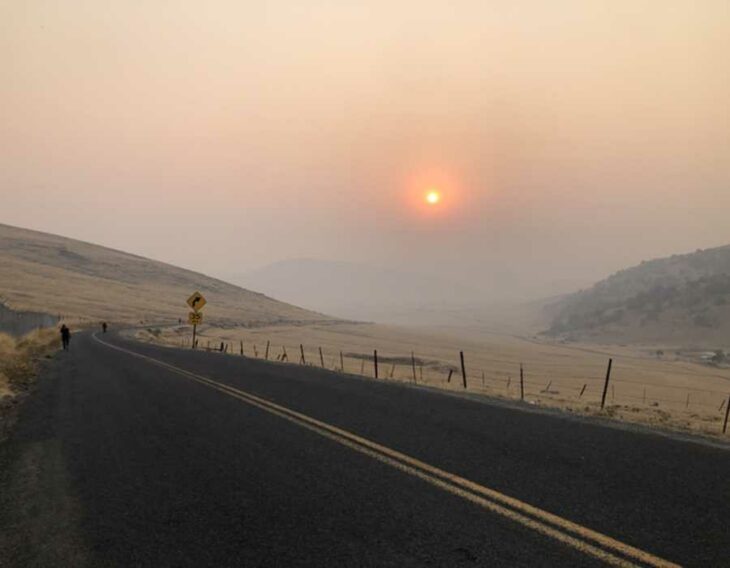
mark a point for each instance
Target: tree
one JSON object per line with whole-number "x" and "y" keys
{"x": 719, "y": 357}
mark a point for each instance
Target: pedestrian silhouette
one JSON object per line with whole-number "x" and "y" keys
{"x": 65, "y": 337}
{"x": 103, "y": 327}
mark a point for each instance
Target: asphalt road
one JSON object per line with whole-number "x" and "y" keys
{"x": 117, "y": 460}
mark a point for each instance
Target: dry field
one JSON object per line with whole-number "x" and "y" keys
{"x": 669, "y": 394}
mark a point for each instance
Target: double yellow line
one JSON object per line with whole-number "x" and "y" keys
{"x": 578, "y": 537}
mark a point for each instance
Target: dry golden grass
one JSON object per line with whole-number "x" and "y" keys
{"x": 643, "y": 389}
{"x": 19, "y": 358}
{"x": 7, "y": 350}
{"x": 85, "y": 282}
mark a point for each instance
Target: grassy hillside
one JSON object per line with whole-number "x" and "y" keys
{"x": 681, "y": 299}
{"x": 56, "y": 275}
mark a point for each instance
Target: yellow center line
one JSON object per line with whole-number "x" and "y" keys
{"x": 581, "y": 538}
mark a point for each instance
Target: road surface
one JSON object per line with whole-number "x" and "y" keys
{"x": 131, "y": 454}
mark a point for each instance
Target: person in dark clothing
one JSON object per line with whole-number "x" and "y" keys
{"x": 103, "y": 327}
{"x": 65, "y": 337}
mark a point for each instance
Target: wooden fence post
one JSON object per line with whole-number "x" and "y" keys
{"x": 605, "y": 385}
{"x": 375, "y": 362}
{"x": 302, "y": 360}
{"x": 413, "y": 367}
{"x": 463, "y": 367}
{"x": 266, "y": 356}
{"x": 522, "y": 382}
{"x": 727, "y": 413}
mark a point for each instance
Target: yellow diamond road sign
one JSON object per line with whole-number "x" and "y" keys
{"x": 195, "y": 318}
{"x": 197, "y": 301}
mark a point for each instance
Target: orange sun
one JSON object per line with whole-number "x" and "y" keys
{"x": 433, "y": 197}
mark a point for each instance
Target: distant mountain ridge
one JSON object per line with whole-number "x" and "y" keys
{"x": 356, "y": 290}
{"x": 683, "y": 298}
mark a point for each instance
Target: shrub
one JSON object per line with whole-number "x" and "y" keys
{"x": 19, "y": 358}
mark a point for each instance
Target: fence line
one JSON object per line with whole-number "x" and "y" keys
{"x": 403, "y": 368}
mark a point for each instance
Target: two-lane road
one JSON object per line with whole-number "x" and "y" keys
{"x": 136, "y": 455}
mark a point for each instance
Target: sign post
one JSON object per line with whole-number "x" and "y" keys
{"x": 195, "y": 318}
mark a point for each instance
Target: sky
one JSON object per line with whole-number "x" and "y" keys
{"x": 568, "y": 139}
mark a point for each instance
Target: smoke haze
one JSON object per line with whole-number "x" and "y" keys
{"x": 569, "y": 139}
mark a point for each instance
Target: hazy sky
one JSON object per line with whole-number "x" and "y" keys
{"x": 568, "y": 138}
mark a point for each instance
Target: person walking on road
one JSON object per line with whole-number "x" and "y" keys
{"x": 103, "y": 327}
{"x": 65, "y": 337}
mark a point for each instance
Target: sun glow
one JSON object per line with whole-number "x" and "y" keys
{"x": 431, "y": 194}
{"x": 433, "y": 197}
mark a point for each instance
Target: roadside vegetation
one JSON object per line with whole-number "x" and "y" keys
{"x": 19, "y": 360}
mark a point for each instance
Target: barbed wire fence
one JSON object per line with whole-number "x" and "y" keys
{"x": 598, "y": 389}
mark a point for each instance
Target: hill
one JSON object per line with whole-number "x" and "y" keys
{"x": 359, "y": 290}
{"x": 56, "y": 275}
{"x": 681, "y": 299}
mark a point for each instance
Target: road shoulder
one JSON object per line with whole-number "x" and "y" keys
{"x": 39, "y": 517}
